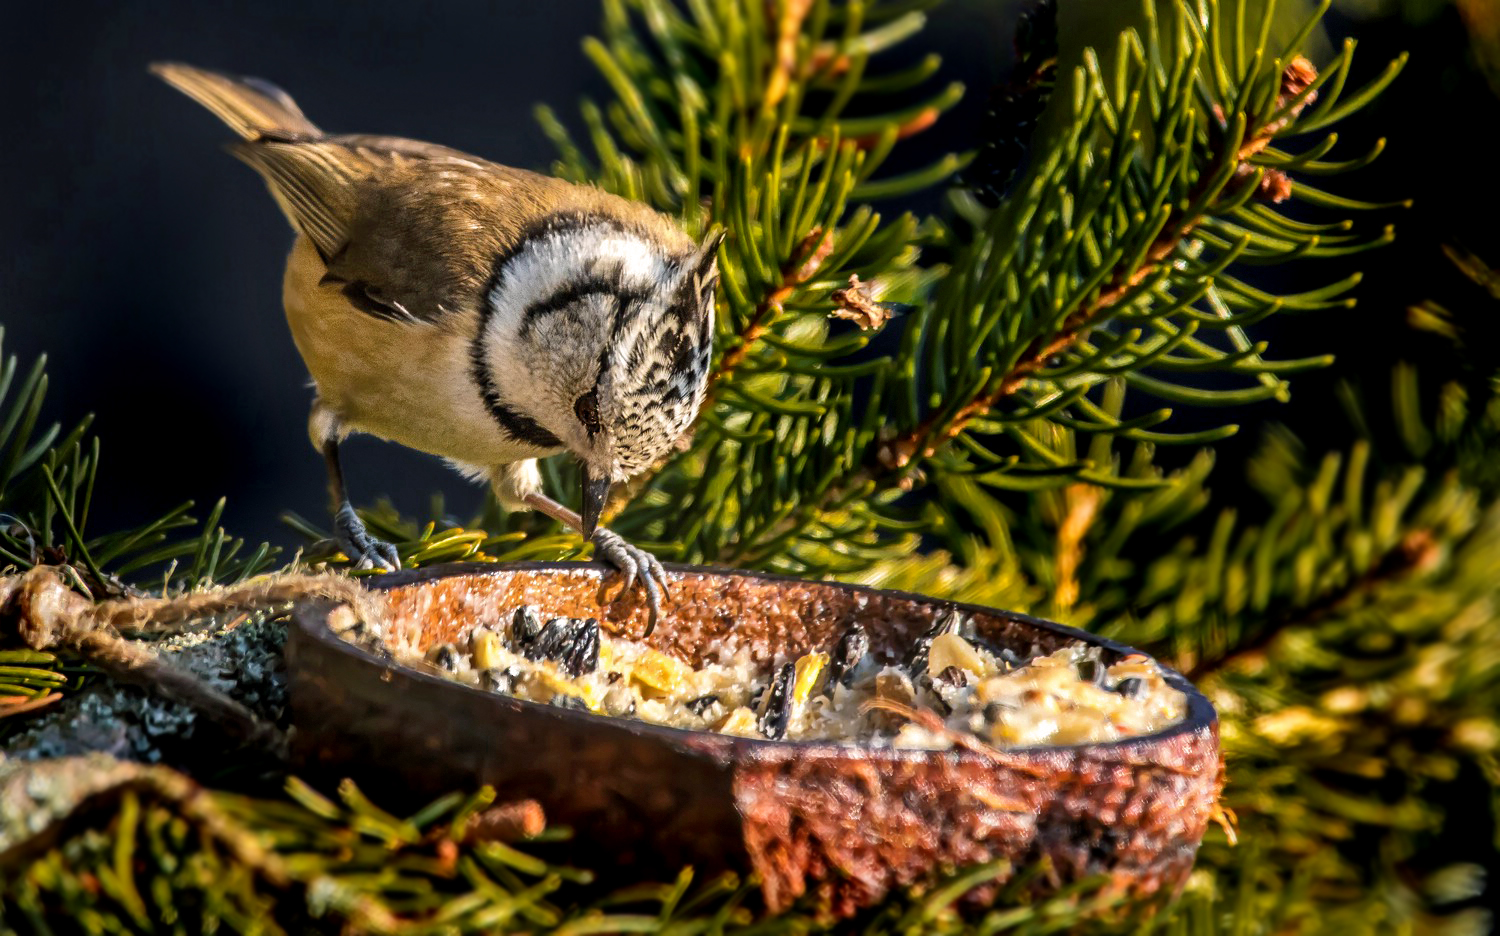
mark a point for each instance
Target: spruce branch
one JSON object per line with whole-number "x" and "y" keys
{"x": 1183, "y": 218}
{"x": 799, "y": 268}
{"x": 1343, "y": 633}
{"x": 1342, "y": 629}
{"x": 1115, "y": 258}
{"x": 1227, "y": 179}
{"x": 1343, "y": 625}
{"x": 756, "y": 120}
{"x": 1417, "y": 551}
{"x": 316, "y": 863}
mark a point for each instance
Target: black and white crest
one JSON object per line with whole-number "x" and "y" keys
{"x": 597, "y": 338}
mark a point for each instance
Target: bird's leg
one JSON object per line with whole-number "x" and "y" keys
{"x": 632, "y": 561}
{"x": 364, "y": 550}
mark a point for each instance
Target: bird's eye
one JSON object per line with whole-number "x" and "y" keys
{"x": 587, "y": 409}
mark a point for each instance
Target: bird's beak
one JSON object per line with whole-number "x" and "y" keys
{"x": 595, "y": 493}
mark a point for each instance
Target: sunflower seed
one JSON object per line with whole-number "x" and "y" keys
{"x": 772, "y": 722}
{"x": 848, "y": 654}
{"x": 571, "y": 643}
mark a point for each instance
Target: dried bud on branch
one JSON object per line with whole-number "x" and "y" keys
{"x": 857, "y": 305}
{"x": 1275, "y": 187}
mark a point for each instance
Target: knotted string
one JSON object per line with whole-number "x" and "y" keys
{"x": 48, "y": 615}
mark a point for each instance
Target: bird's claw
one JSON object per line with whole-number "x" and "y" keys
{"x": 364, "y": 550}
{"x": 635, "y": 564}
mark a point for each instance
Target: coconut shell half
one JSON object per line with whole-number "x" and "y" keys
{"x": 844, "y": 824}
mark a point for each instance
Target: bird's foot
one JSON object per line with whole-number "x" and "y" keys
{"x": 364, "y": 550}
{"x": 635, "y": 564}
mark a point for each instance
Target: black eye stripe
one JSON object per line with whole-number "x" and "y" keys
{"x": 522, "y": 427}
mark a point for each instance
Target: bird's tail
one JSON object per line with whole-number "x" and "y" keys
{"x": 252, "y": 108}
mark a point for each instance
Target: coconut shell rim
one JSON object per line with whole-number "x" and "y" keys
{"x": 312, "y": 620}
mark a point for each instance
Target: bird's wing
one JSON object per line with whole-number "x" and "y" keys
{"x": 314, "y": 183}
{"x": 410, "y": 230}
{"x": 251, "y": 107}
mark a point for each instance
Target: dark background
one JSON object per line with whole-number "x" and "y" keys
{"x": 147, "y": 263}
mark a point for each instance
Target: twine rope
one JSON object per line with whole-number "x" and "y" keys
{"x": 49, "y": 615}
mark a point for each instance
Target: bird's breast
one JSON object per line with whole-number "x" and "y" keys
{"x": 409, "y": 383}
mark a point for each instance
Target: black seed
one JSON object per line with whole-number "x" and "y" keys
{"x": 443, "y": 656}
{"x": 1131, "y": 687}
{"x": 1090, "y": 671}
{"x": 702, "y": 704}
{"x": 916, "y": 658}
{"x": 611, "y": 678}
{"x": 778, "y": 711}
{"x": 952, "y": 676}
{"x": 573, "y": 644}
{"x": 524, "y": 625}
{"x": 562, "y": 700}
{"x": 994, "y": 712}
{"x": 847, "y": 654}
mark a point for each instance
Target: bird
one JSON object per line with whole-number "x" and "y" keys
{"x": 481, "y": 313}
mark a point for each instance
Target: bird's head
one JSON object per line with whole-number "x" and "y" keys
{"x": 596, "y": 341}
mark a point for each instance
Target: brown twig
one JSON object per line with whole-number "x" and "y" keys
{"x": 788, "y": 26}
{"x": 933, "y": 432}
{"x": 913, "y": 125}
{"x": 800, "y": 267}
{"x": 900, "y": 454}
{"x": 26, "y": 704}
{"x": 1081, "y": 506}
{"x": 99, "y": 779}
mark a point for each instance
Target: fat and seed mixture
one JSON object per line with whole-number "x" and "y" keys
{"x": 846, "y": 695}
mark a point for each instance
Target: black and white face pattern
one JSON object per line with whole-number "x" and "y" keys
{"x": 597, "y": 340}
